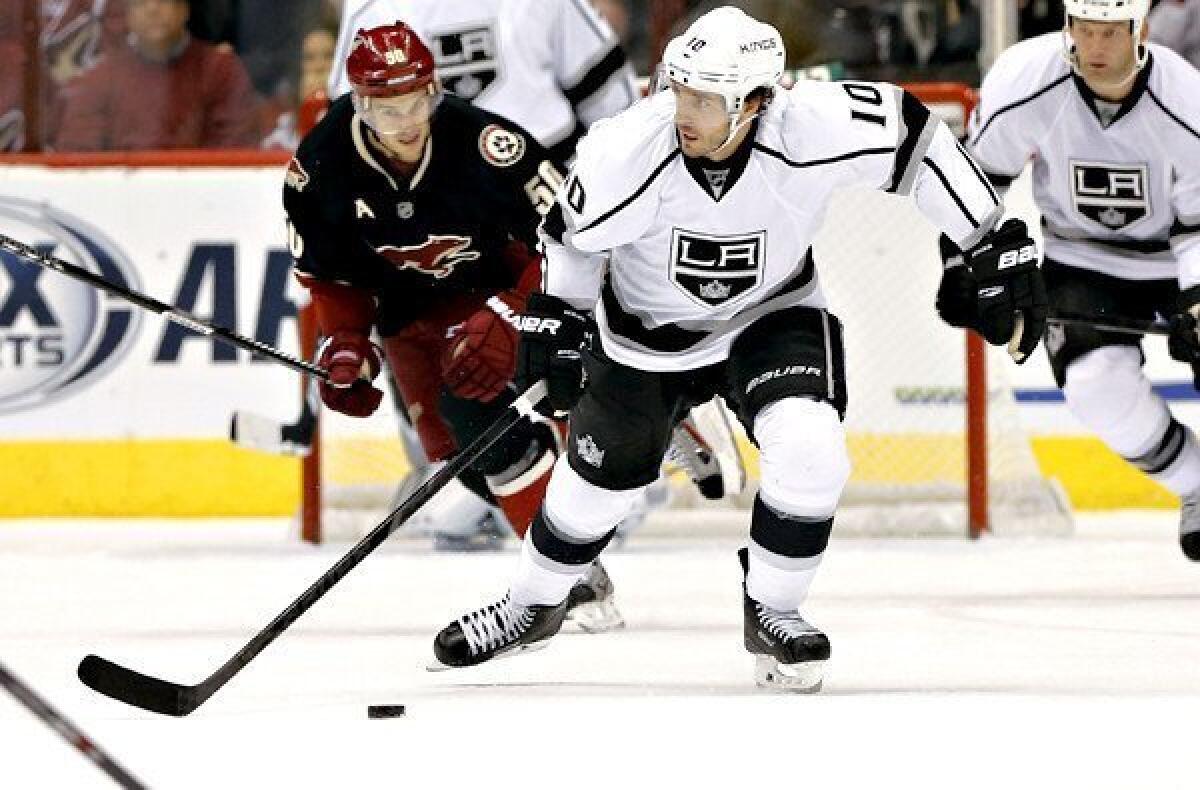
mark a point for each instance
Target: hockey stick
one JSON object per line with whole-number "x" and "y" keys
{"x": 69, "y": 732}
{"x": 153, "y": 305}
{"x": 174, "y": 699}
{"x": 1112, "y": 323}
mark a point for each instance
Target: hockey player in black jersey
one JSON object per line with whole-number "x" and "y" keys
{"x": 414, "y": 214}
{"x": 1111, "y": 124}
{"x": 685, "y": 228}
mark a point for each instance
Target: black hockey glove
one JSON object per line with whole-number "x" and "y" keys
{"x": 1010, "y": 296}
{"x": 552, "y": 338}
{"x": 956, "y": 293}
{"x": 1184, "y": 342}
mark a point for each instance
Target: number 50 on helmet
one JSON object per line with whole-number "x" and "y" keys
{"x": 392, "y": 76}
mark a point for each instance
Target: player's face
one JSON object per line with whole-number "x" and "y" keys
{"x": 1106, "y": 54}
{"x": 700, "y": 119}
{"x": 402, "y": 122}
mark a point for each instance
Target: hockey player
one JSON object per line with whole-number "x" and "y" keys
{"x": 412, "y": 213}
{"x": 706, "y": 197}
{"x": 551, "y": 66}
{"x": 554, "y": 67}
{"x": 1112, "y": 125}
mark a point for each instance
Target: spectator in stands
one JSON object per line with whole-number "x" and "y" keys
{"x": 1176, "y": 24}
{"x": 316, "y": 62}
{"x": 163, "y": 90}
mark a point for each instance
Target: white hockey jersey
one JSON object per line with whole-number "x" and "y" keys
{"x": 696, "y": 251}
{"x": 554, "y": 67}
{"x": 1118, "y": 185}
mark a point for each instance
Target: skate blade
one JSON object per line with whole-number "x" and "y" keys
{"x": 803, "y": 678}
{"x": 596, "y": 617}
{"x": 438, "y": 666}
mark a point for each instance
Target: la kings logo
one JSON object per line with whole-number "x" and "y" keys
{"x": 468, "y": 61}
{"x": 1113, "y": 195}
{"x": 716, "y": 269}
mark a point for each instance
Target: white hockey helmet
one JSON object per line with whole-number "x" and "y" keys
{"x": 1132, "y": 11}
{"x": 727, "y": 52}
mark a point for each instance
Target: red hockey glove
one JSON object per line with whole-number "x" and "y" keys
{"x": 481, "y": 354}
{"x": 353, "y": 362}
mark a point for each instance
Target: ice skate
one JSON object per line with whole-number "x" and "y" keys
{"x": 497, "y": 630}
{"x": 702, "y": 444}
{"x": 1189, "y": 526}
{"x": 590, "y": 603}
{"x": 790, "y": 654}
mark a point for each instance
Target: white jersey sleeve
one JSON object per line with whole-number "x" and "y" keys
{"x": 1017, "y": 104}
{"x": 590, "y": 64}
{"x": 610, "y": 197}
{"x": 1177, "y": 96}
{"x": 887, "y": 139}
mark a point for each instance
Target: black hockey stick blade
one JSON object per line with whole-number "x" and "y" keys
{"x": 172, "y": 699}
{"x": 141, "y": 691}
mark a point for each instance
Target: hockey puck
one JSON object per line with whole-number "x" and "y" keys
{"x": 384, "y": 711}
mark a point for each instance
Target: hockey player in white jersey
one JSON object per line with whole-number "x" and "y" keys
{"x": 1112, "y": 126}
{"x": 685, "y": 225}
{"x": 553, "y": 67}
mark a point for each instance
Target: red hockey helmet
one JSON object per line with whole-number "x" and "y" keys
{"x": 389, "y": 60}
{"x": 392, "y": 75}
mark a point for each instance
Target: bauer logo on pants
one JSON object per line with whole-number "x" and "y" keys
{"x": 58, "y": 335}
{"x": 1113, "y": 195}
{"x": 716, "y": 269}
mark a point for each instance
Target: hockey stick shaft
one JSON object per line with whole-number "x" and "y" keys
{"x": 180, "y": 317}
{"x": 1112, "y": 323}
{"x": 68, "y": 731}
{"x": 173, "y": 699}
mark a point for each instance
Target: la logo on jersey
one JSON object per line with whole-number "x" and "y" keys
{"x": 466, "y": 60}
{"x": 1113, "y": 195}
{"x": 716, "y": 269}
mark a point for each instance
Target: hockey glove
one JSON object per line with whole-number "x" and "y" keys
{"x": 1010, "y": 296}
{"x": 552, "y": 338}
{"x": 956, "y": 293}
{"x": 1184, "y": 342}
{"x": 481, "y": 355}
{"x": 353, "y": 362}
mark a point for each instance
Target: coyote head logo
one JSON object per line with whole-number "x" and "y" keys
{"x": 437, "y": 256}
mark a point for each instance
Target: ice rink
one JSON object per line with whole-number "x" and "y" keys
{"x": 1005, "y": 663}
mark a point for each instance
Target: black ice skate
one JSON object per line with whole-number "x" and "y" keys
{"x": 498, "y": 629}
{"x": 1189, "y": 526}
{"x": 790, "y": 654}
{"x": 590, "y": 603}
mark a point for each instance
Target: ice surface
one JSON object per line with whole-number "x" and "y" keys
{"x": 1027, "y": 663}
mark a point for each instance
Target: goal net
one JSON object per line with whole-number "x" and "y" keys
{"x": 936, "y": 441}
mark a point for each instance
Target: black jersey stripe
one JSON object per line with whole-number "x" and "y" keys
{"x": 1180, "y": 230}
{"x": 999, "y": 180}
{"x": 1172, "y": 115}
{"x": 597, "y": 76}
{"x": 1014, "y": 105}
{"x": 915, "y": 116}
{"x": 983, "y": 179}
{"x": 819, "y": 162}
{"x": 1139, "y": 246}
{"x": 946, "y": 183}
{"x": 672, "y": 338}
{"x": 636, "y": 194}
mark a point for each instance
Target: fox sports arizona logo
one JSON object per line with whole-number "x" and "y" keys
{"x": 58, "y": 335}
